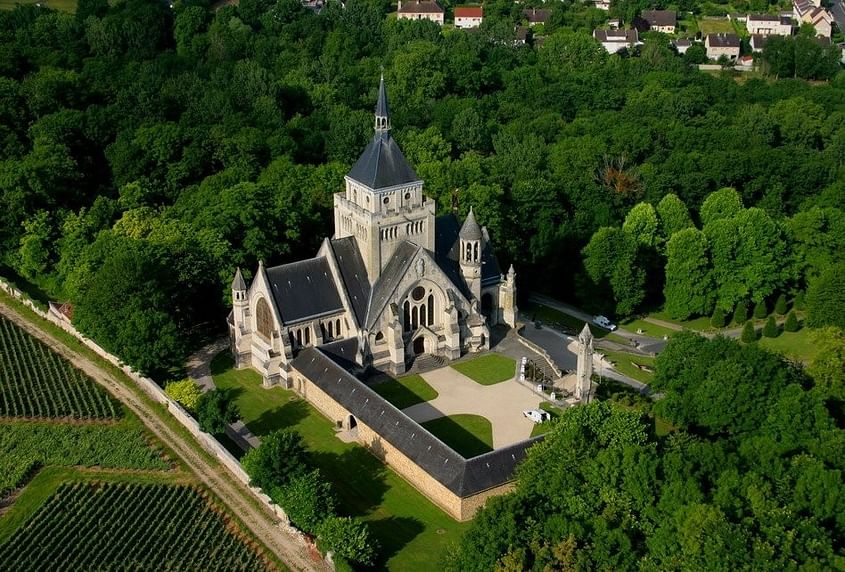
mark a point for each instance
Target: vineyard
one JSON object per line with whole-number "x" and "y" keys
{"x": 25, "y": 446}
{"x": 36, "y": 382}
{"x": 99, "y": 526}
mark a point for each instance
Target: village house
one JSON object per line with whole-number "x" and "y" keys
{"x": 421, "y": 10}
{"x": 808, "y": 12}
{"x": 468, "y": 16}
{"x": 602, "y": 4}
{"x": 766, "y": 25}
{"x": 615, "y": 40}
{"x": 718, "y": 45}
{"x": 758, "y": 42}
{"x": 536, "y": 16}
{"x": 661, "y": 20}
{"x": 682, "y": 45}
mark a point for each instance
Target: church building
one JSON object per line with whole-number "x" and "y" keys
{"x": 395, "y": 278}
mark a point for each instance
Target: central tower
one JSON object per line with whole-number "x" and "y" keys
{"x": 383, "y": 203}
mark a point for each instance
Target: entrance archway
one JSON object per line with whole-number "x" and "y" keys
{"x": 351, "y": 423}
{"x": 419, "y": 346}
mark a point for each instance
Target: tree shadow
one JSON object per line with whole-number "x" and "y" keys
{"x": 393, "y": 534}
{"x": 398, "y": 394}
{"x": 222, "y": 362}
{"x": 359, "y": 478}
{"x": 464, "y": 442}
{"x": 282, "y": 417}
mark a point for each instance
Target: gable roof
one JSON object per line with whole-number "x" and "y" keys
{"x": 382, "y": 164}
{"x": 620, "y": 36}
{"x": 723, "y": 40}
{"x": 469, "y": 12}
{"x": 537, "y": 15}
{"x": 463, "y": 477}
{"x": 353, "y": 273}
{"x": 304, "y": 289}
{"x": 420, "y": 7}
{"x": 389, "y": 280}
{"x": 660, "y": 17}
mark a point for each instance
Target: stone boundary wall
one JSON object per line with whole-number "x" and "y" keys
{"x": 534, "y": 347}
{"x": 157, "y": 394}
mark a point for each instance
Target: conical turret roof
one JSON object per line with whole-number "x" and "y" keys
{"x": 382, "y": 109}
{"x": 238, "y": 283}
{"x": 471, "y": 230}
{"x": 586, "y": 333}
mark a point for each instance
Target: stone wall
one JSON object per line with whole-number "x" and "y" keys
{"x": 157, "y": 394}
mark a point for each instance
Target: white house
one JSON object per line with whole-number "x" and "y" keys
{"x": 468, "y": 16}
{"x": 806, "y": 11}
{"x": 421, "y": 10}
{"x": 718, "y": 45}
{"x": 682, "y": 45}
{"x": 661, "y": 20}
{"x": 615, "y": 40}
{"x": 766, "y": 25}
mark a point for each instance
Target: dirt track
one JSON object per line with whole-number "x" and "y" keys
{"x": 262, "y": 523}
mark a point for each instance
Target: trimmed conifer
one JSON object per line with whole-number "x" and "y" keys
{"x": 760, "y": 310}
{"x": 780, "y": 305}
{"x": 770, "y": 330}
{"x": 740, "y": 313}
{"x": 791, "y": 324}
{"x": 748, "y": 333}
{"x": 717, "y": 320}
{"x": 798, "y": 302}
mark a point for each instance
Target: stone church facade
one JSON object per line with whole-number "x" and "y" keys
{"x": 394, "y": 277}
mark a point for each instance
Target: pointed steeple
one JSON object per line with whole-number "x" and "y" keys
{"x": 586, "y": 335}
{"x": 382, "y": 109}
{"x": 238, "y": 283}
{"x": 471, "y": 230}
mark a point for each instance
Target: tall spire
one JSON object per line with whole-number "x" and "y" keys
{"x": 382, "y": 109}
{"x": 470, "y": 230}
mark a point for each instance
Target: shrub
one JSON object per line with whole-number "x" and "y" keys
{"x": 791, "y": 324}
{"x": 307, "y": 499}
{"x": 740, "y": 313}
{"x": 798, "y": 302}
{"x": 215, "y": 410}
{"x": 760, "y": 310}
{"x": 826, "y": 299}
{"x": 780, "y": 305}
{"x": 185, "y": 392}
{"x": 277, "y": 461}
{"x": 718, "y": 318}
{"x": 348, "y": 538}
{"x": 748, "y": 333}
{"x": 770, "y": 329}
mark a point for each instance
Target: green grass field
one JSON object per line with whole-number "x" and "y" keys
{"x": 405, "y": 391}
{"x": 63, "y": 5}
{"x": 413, "y": 533}
{"x": 648, "y": 329}
{"x": 488, "y": 369}
{"x": 624, "y": 363}
{"x": 700, "y": 324}
{"x": 469, "y": 435}
{"x": 715, "y": 26}
{"x": 794, "y": 345}
{"x": 554, "y": 317}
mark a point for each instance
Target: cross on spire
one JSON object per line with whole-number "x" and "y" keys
{"x": 382, "y": 109}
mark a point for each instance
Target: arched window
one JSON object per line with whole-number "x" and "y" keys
{"x": 263, "y": 319}
{"x": 475, "y": 252}
{"x": 337, "y": 328}
{"x": 406, "y": 316}
{"x": 423, "y": 319}
{"x": 308, "y": 336}
{"x": 414, "y": 318}
{"x": 431, "y": 309}
{"x": 331, "y": 330}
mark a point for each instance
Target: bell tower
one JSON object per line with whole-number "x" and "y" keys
{"x": 471, "y": 239}
{"x": 383, "y": 203}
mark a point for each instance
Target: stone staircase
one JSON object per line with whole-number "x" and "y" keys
{"x": 426, "y": 362}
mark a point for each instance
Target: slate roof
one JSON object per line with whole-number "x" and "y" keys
{"x": 470, "y": 230}
{"x": 660, "y": 17}
{"x": 537, "y": 15}
{"x": 463, "y": 477}
{"x": 382, "y": 164}
{"x": 342, "y": 353}
{"x": 304, "y": 289}
{"x": 389, "y": 280}
{"x": 723, "y": 40}
{"x": 420, "y": 7}
{"x": 627, "y": 36}
{"x": 238, "y": 283}
{"x": 354, "y": 274}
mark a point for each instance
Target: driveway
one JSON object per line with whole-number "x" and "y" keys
{"x": 502, "y": 404}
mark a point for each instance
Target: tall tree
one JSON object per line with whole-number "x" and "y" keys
{"x": 689, "y": 288}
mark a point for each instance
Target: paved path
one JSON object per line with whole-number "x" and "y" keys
{"x": 199, "y": 369}
{"x": 232, "y": 493}
{"x": 502, "y": 404}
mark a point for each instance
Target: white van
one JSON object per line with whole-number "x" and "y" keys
{"x": 537, "y": 415}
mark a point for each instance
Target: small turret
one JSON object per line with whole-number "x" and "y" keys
{"x": 238, "y": 288}
{"x": 470, "y": 256}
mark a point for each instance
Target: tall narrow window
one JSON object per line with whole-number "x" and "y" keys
{"x": 423, "y": 320}
{"x": 299, "y": 337}
{"x": 308, "y": 336}
{"x": 414, "y": 318}
{"x": 263, "y": 319}
{"x": 331, "y": 330}
{"x": 406, "y": 316}
{"x": 431, "y": 309}
{"x": 337, "y": 328}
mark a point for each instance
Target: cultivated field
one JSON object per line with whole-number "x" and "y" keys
{"x": 35, "y": 382}
{"x": 108, "y": 526}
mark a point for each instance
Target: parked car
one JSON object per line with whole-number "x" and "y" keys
{"x": 537, "y": 415}
{"x": 603, "y": 322}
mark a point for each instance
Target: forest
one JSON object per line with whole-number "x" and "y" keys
{"x": 146, "y": 152}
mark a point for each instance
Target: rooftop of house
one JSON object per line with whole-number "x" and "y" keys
{"x": 682, "y": 42}
{"x": 723, "y": 40}
{"x": 420, "y": 7}
{"x": 660, "y": 17}
{"x": 537, "y": 15}
{"x": 469, "y": 12}
{"x": 627, "y": 36}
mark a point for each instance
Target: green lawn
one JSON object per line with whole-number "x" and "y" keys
{"x": 624, "y": 363}
{"x": 648, "y": 329}
{"x": 700, "y": 324}
{"x": 715, "y": 26}
{"x": 469, "y": 435}
{"x": 63, "y": 5}
{"x": 413, "y": 533}
{"x": 405, "y": 391}
{"x": 553, "y": 317}
{"x": 488, "y": 369}
{"x": 794, "y": 345}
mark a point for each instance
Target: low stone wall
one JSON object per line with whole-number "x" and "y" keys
{"x": 537, "y": 349}
{"x": 157, "y": 394}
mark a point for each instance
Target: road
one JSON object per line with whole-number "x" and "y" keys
{"x": 259, "y": 521}
{"x": 837, "y": 10}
